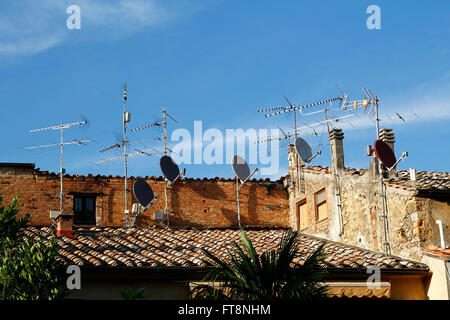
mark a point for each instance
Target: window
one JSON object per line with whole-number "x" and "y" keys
{"x": 302, "y": 211}
{"x": 321, "y": 206}
{"x": 84, "y": 210}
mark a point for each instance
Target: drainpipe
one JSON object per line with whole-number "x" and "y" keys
{"x": 441, "y": 232}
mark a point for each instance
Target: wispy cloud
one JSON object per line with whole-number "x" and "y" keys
{"x": 30, "y": 27}
{"x": 430, "y": 100}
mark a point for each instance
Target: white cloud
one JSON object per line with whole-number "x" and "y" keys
{"x": 29, "y": 27}
{"x": 430, "y": 100}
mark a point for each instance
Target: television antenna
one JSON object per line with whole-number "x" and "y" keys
{"x": 302, "y": 147}
{"x": 281, "y": 110}
{"x": 124, "y": 144}
{"x": 384, "y": 154}
{"x": 242, "y": 171}
{"x": 160, "y": 123}
{"x": 61, "y": 127}
{"x": 167, "y": 164}
{"x": 386, "y": 157}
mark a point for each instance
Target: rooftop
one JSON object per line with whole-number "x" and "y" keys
{"x": 169, "y": 248}
{"x": 438, "y": 251}
{"x": 37, "y": 171}
{"x": 425, "y": 180}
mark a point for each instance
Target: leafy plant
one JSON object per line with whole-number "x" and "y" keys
{"x": 28, "y": 268}
{"x": 9, "y": 224}
{"x": 269, "y": 276}
{"x": 129, "y": 294}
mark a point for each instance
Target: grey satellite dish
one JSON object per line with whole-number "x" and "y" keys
{"x": 241, "y": 168}
{"x": 143, "y": 193}
{"x": 169, "y": 168}
{"x": 303, "y": 150}
{"x": 243, "y": 174}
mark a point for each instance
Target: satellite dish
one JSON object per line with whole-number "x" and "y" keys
{"x": 169, "y": 168}
{"x": 242, "y": 172}
{"x": 384, "y": 153}
{"x": 303, "y": 150}
{"x": 143, "y": 193}
{"x": 241, "y": 168}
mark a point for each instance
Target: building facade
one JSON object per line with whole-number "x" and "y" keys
{"x": 345, "y": 204}
{"x": 99, "y": 200}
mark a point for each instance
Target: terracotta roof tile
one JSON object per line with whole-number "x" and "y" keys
{"x": 37, "y": 171}
{"x": 439, "y": 251}
{"x": 153, "y": 247}
{"x": 424, "y": 179}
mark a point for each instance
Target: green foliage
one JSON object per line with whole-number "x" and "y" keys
{"x": 9, "y": 224}
{"x": 129, "y": 294}
{"x": 28, "y": 268}
{"x": 269, "y": 276}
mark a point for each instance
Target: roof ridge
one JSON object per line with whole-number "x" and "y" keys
{"x": 158, "y": 178}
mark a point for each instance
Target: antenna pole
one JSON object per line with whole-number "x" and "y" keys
{"x": 166, "y": 208}
{"x": 165, "y": 132}
{"x": 377, "y": 121}
{"x": 295, "y": 124}
{"x": 387, "y": 245}
{"x": 61, "y": 172}
{"x": 125, "y": 150}
{"x": 238, "y": 203}
{"x": 61, "y": 127}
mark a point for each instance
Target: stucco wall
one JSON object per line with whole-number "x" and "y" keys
{"x": 438, "y": 288}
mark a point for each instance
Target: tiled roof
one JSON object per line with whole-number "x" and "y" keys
{"x": 155, "y": 178}
{"x": 38, "y": 172}
{"x": 425, "y": 180}
{"x": 132, "y": 247}
{"x": 443, "y": 252}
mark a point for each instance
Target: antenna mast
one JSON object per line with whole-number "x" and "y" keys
{"x": 126, "y": 119}
{"x": 165, "y": 132}
{"x": 166, "y": 182}
{"x": 60, "y": 127}
{"x": 387, "y": 244}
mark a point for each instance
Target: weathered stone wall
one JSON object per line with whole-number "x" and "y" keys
{"x": 412, "y": 220}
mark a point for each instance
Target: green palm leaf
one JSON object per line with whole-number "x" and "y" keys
{"x": 271, "y": 275}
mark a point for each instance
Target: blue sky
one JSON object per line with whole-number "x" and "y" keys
{"x": 218, "y": 61}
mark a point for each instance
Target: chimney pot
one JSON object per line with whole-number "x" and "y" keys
{"x": 337, "y": 147}
{"x": 64, "y": 225}
{"x": 387, "y": 135}
{"x": 412, "y": 174}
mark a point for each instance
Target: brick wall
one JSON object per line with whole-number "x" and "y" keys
{"x": 192, "y": 202}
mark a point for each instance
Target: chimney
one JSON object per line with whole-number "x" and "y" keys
{"x": 337, "y": 148}
{"x": 374, "y": 163}
{"x": 412, "y": 174}
{"x": 387, "y": 135}
{"x": 64, "y": 225}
